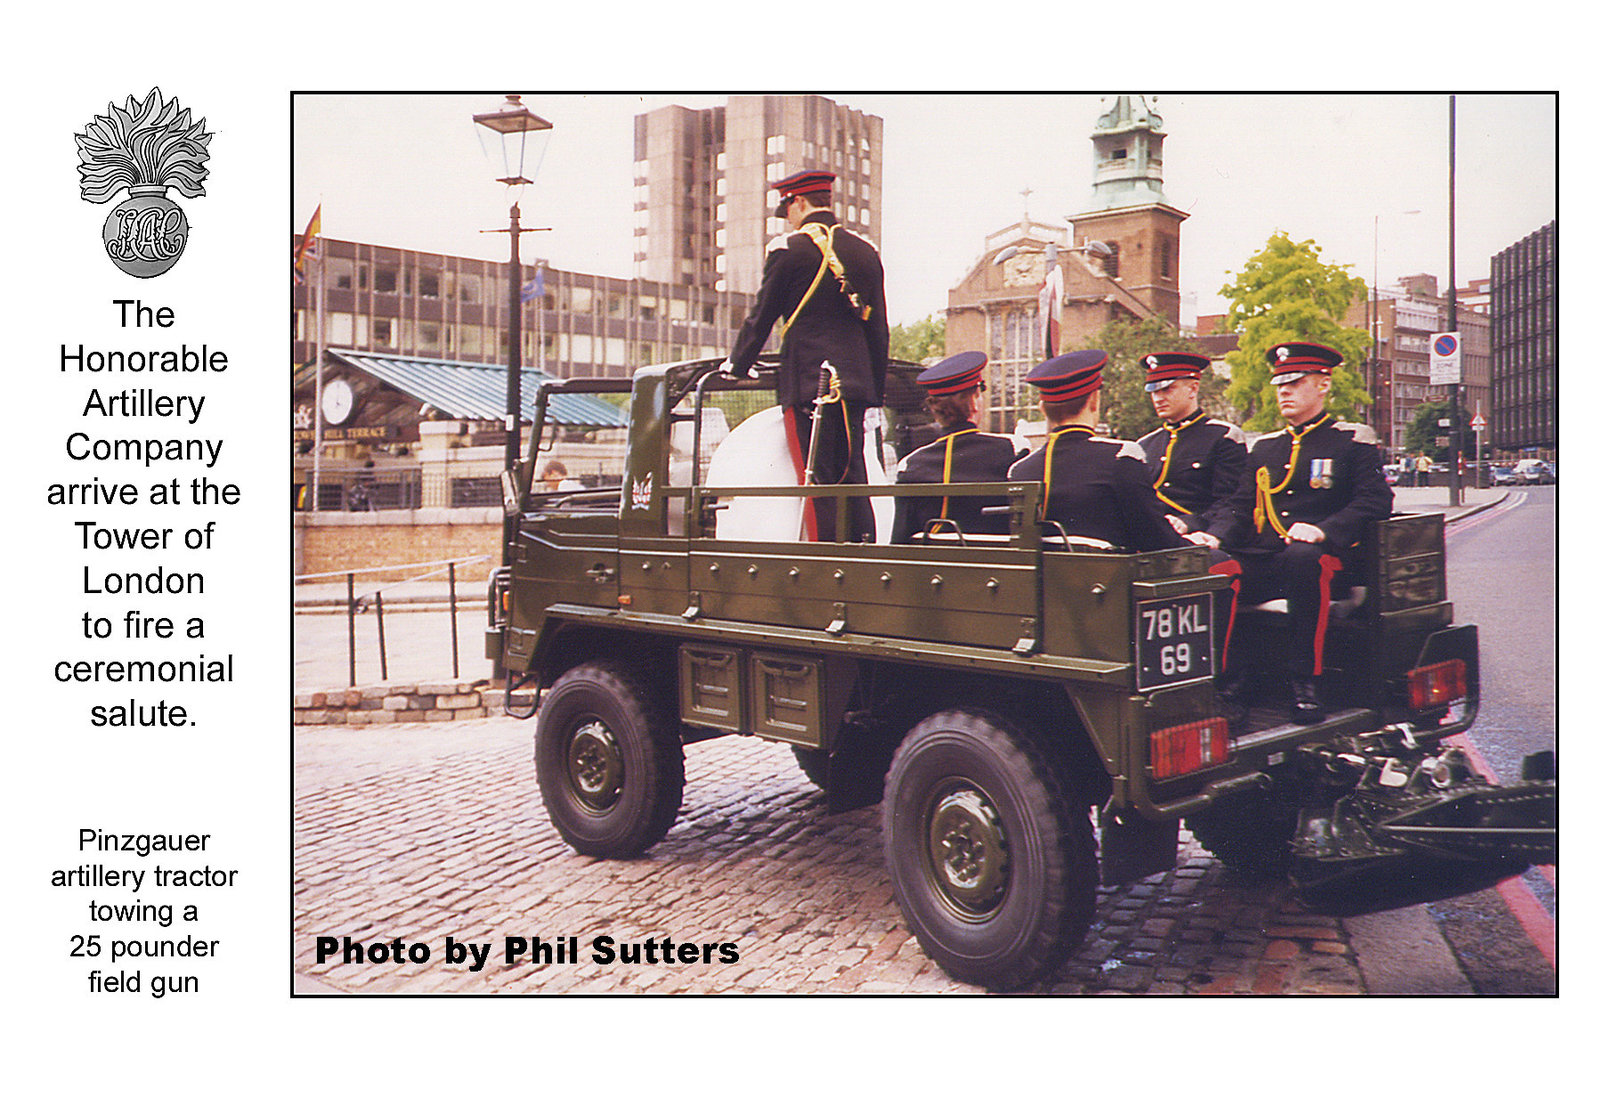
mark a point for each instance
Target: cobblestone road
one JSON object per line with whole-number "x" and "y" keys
{"x": 421, "y": 832}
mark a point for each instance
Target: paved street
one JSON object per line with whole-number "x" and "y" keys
{"x": 425, "y": 832}
{"x": 422, "y": 832}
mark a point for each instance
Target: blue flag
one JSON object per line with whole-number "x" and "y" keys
{"x": 534, "y": 289}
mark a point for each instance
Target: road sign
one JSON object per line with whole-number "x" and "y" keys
{"x": 1479, "y": 423}
{"x": 1444, "y": 358}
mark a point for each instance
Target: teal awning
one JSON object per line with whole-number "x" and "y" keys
{"x": 471, "y": 390}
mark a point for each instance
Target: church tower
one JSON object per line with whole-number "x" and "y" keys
{"x": 1128, "y": 209}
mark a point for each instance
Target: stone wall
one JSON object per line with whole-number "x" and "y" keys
{"x": 336, "y": 541}
{"x": 380, "y": 704}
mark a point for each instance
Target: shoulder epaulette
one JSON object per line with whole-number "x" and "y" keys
{"x": 779, "y": 243}
{"x": 1360, "y": 431}
{"x": 1231, "y": 432}
{"x": 1129, "y": 449}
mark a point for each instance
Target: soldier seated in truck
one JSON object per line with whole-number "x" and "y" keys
{"x": 962, "y": 454}
{"x": 1309, "y": 493}
{"x": 1095, "y": 488}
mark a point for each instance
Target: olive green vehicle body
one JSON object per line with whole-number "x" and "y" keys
{"x": 841, "y": 648}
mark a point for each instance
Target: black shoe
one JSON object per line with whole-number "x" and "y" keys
{"x": 1307, "y": 703}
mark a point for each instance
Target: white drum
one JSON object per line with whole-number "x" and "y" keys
{"x": 756, "y": 454}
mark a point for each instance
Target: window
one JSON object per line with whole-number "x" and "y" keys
{"x": 385, "y": 280}
{"x": 428, "y": 285}
{"x": 383, "y": 332}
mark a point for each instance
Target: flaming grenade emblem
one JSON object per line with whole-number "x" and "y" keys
{"x": 146, "y": 147}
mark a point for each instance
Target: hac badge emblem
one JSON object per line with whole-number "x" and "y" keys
{"x": 146, "y": 146}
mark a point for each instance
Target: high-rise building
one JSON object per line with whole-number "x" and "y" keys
{"x": 1522, "y": 291}
{"x": 703, "y": 200}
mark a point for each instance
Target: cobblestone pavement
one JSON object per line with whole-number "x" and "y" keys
{"x": 424, "y": 832}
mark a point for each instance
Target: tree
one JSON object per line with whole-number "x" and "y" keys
{"x": 1286, "y": 293}
{"x": 1124, "y": 404}
{"x": 1424, "y": 428}
{"x": 922, "y": 341}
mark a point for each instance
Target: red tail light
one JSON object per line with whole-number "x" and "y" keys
{"x": 1179, "y": 750}
{"x": 1436, "y": 685}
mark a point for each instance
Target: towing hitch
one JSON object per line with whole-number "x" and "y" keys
{"x": 1382, "y": 802}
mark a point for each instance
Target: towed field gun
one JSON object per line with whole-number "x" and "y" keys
{"x": 994, "y": 692}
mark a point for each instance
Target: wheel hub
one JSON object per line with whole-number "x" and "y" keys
{"x": 594, "y": 766}
{"x": 967, "y": 850}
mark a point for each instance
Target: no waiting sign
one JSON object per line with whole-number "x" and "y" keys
{"x": 1444, "y": 358}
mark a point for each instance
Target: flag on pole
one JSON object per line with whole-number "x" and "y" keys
{"x": 309, "y": 245}
{"x": 1050, "y": 296}
{"x": 534, "y": 289}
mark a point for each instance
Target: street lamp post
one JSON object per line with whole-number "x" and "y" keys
{"x": 513, "y": 122}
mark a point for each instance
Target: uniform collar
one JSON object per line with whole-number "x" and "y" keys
{"x": 1301, "y": 428}
{"x": 826, "y": 218}
{"x": 1181, "y": 423}
{"x": 956, "y": 428}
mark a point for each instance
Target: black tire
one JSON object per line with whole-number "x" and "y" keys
{"x": 609, "y": 760}
{"x": 814, "y": 763}
{"x": 1250, "y": 835}
{"x": 990, "y": 853}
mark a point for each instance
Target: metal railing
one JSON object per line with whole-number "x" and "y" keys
{"x": 374, "y": 599}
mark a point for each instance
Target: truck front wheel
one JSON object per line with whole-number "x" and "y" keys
{"x": 608, "y": 760}
{"x": 990, "y": 853}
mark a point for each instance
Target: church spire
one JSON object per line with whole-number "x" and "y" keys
{"x": 1127, "y": 154}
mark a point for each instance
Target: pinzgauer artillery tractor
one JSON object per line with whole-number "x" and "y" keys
{"x": 1003, "y": 696}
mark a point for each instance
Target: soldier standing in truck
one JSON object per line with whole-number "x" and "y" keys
{"x": 823, "y": 288}
{"x": 1309, "y": 492}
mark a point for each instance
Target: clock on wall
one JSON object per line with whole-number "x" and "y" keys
{"x": 337, "y": 400}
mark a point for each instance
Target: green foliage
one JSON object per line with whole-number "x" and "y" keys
{"x": 1124, "y": 404}
{"x": 1424, "y": 428}
{"x": 1286, "y": 293}
{"x": 922, "y": 341}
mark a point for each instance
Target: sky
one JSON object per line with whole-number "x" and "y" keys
{"x": 1343, "y": 170}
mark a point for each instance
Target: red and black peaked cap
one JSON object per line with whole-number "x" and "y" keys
{"x": 954, "y": 374}
{"x": 1161, "y": 369}
{"x": 802, "y": 183}
{"x": 1069, "y": 376}
{"x": 1292, "y": 360}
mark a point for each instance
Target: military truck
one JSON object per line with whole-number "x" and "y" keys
{"x": 999, "y": 694}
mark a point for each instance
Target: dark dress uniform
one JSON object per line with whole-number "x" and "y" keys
{"x": 1323, "y": 472}
{"x": 850, "y": 334}
{"x": 963, "y": 454}
{"x": 1196, "y": 465}
{"x": 1099, "y": 488}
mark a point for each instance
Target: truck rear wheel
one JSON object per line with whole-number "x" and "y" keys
{"x": 608, "y": 760}
{"x": 990, "y": 853}
{"x": 814, "y": 763}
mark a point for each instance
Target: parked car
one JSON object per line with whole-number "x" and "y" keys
{"x": 1532, "y": 471}
{"x": 1500, "y": 476}
{"x": 1391, "y": 473}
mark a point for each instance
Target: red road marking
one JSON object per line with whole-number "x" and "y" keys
{"x": 1527, "y": 910}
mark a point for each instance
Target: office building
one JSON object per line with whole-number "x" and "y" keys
{"x": 1522, "y": 291}
{"x": 703, "y": 200}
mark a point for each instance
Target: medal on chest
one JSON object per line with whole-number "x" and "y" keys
{"x": 1322, "y": 472}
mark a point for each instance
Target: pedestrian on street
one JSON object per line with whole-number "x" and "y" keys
{"x": 822, "y": 287}
{"x": 1424, "y": 469}
{"x": 962, "y": 454}
{"x": 1308, "y": 494}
